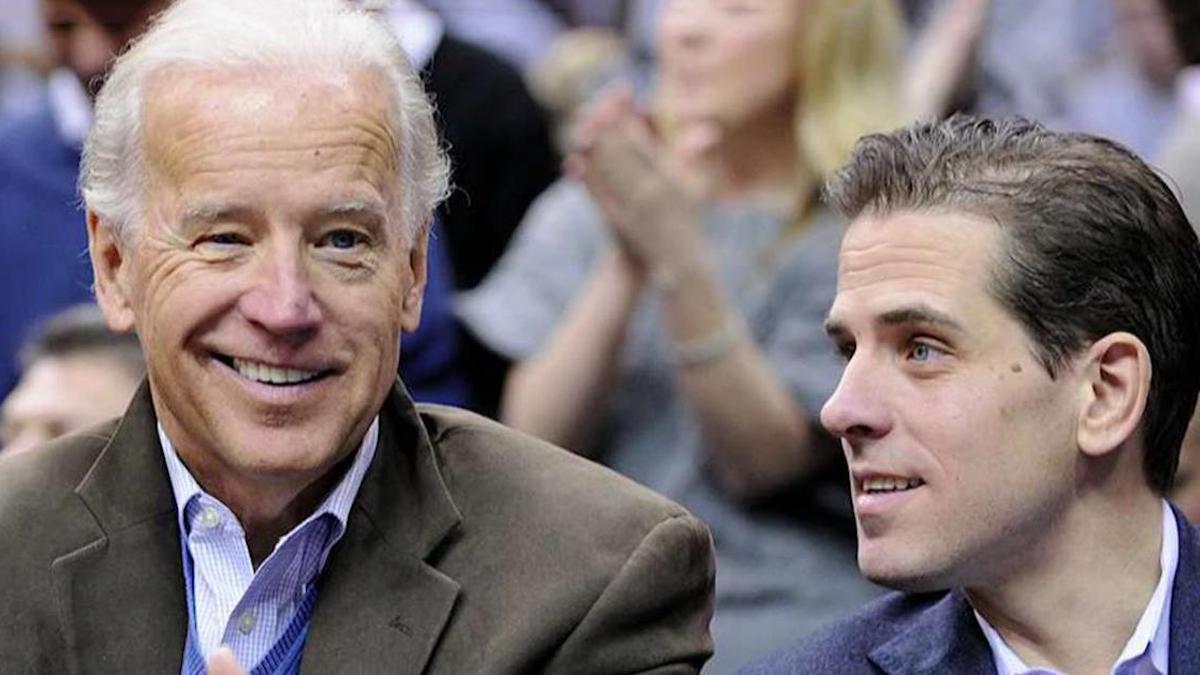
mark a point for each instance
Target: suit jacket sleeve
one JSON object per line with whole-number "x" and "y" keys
{"x": 653, "y": 616}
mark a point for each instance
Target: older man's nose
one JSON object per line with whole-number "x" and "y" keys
{"x": 857, "y": 410}
{"x": 281, "y": 299}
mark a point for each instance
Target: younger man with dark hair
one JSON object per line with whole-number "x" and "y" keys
{"x": 1017, "y": 312}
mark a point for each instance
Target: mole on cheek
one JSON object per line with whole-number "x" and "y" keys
{"x": 1016, "y": 367}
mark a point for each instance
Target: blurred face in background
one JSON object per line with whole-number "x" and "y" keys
{"x": 731, "y": 62}
{"x": 85, "y": 35}
{"x": 1145, "y": 31}
{"x": 59, "y": 395}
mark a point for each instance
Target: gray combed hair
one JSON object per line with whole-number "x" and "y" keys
{"x": 244, "y": 35}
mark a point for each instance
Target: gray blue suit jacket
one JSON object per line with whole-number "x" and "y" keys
{"x": 908, "y": 634}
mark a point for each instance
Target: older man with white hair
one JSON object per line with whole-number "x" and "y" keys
{"x": 259, "y": 180}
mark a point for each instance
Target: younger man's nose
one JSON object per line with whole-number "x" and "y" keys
{"x": 856, "y": 410}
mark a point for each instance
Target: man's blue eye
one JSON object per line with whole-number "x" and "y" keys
{"x": 343, "y": 239}
{"x": 922, "y": 352}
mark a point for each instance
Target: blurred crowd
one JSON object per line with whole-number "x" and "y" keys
{"x": 635, "y": 262}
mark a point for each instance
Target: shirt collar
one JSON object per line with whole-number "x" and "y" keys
{"x": 337, "y": 503}
{"x": 1153, "y": 630}
{"x": 418, "y": 29}
{"x": 70, "y": 106}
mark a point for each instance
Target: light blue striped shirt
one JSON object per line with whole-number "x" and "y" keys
{"x": 234, "y": 604}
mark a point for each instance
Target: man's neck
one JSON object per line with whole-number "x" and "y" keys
{"x": 1076, "y": 598}
{"x": 267, "y": 511}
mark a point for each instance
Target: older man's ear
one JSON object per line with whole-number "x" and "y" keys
{"x": 108, "y": 258}
{"x": 414, "y": 295}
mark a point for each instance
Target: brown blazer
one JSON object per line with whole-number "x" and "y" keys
{"x": 470, "y": 549}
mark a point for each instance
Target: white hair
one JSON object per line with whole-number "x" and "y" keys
{"x": 241, "y": 35}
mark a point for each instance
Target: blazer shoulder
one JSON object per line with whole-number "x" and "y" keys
{"x": 479, "y": 456}
{"x": 35, "y": 480}
{"x": 41, "y": 516}
{"x": 844, "y": 646}
{"x": 601, "y": 574}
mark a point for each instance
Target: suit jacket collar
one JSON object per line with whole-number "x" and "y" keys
{"x": 381, "y": 600}
{"x": 122, "y": 598}
{"x": 1185, "y": 601}
{"x": 946, "y": 637}
{"x": 943, "y": 638}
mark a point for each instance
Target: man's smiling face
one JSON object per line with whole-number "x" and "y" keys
{"x": 269, "y": 279}
{"x": 961, "y": 447}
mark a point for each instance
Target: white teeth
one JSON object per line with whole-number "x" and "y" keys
{"x": 261, "y": 372}
{"x": 889, "y": 484}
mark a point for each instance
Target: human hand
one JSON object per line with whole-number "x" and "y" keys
{"x": 223, "y": 662}
{"x": 650, "y": 194}
{"x": 942, "y": 57}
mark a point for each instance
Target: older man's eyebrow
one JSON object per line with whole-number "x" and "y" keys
{"x": 205, "y": 214}
{"x": 919, "y": 315}
{"x": 355, "y": 207}
{"x": 198, "y": 217}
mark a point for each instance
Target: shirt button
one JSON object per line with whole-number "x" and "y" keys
{"x": 246, "y": 622}
{"x": 209, "y": 517}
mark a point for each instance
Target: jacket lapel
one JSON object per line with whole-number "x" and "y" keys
{"x": 945, "y": 638}
{"x": 381, "y": 605}
{"x": 121, "y": 596}
{"x": 1185, "y": 601}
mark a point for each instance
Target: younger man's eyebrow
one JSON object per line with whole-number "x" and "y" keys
{"x": 920, "y": 314}
{"x": 901, "y": 316}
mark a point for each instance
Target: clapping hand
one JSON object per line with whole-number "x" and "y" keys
{"x": 650, "y": 193}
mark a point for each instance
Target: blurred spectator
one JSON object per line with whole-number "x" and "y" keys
{"x": 519, "y": 30}
{"x": 22, "y": 61}
{"x": 580, "y": 64}
{"x": 75, "y": 373}
{"x": 43, "y": 240}
{"x": 500, "y": 146}
{"x": 1083, "y": 65}
{"x": 667, "y": 306}
{"x": 1180, "y": 157}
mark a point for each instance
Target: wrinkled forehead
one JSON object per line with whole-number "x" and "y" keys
{"x": 938, "y": 259}
{"x": 188, "y": 112}
{"x": 180, "y": 93}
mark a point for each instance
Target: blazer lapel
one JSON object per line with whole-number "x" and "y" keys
{"x": 121, "y": 596}
{"x": 945, "y": 638}
{"x": 1185, "y": 601}
{"x": 381, "y": 605}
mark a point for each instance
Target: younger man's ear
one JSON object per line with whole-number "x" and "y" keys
{"x": 1117, "y": 380}
{"x": 109, "y": 266}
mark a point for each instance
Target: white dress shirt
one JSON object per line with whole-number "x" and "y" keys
{"x": 1147, "y": 651}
